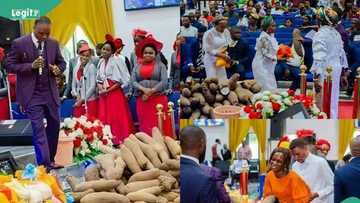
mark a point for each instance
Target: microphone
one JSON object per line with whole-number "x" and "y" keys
{"x": 41, "y": 50}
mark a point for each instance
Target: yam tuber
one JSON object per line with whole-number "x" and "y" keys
{"x": 213, "y": 88}
{"x": 170, "y": 196}
{"x": 256, "y": 88}
{"x": 144, "y": 138}
{"x": 135, "y": 149}
{"x": 149, "y": 152}
{"x": 196, "y": 88}
{"x": 174, "y": 173}
{"x": 97, "y": 185}
{"x": 145, "y": 175}
{"x": 194, "y": 102}
{"x": 217, "y": 104}
{"x": 209, "y": 97}
{"x": 109, "y": 168}
{"x": 167, "y": 182}
{"x": 219, "y": 98}
{"x": 121, "y": 188}
{"x": 226, "y": 102}
{"x": 244, "y": 95}
{"x": 92, "y": 173}
{"x": 109, "y": 150}
{"x": 177, "y": 200}
{"x": 173, "y": 146}
{"x": 233, "y": 98}
{"x": 153, "y": 190}
{"x": 142, "y": 196}
{"x": 184, "y": 101}
{"x": 78, "y": 195}
{"x": 139, "y": 185}
{"x": 104, "y": 197}
{"x": 129, "y": 159}
{"x": 224, "y": 87}
{"x": 206, "y": 110}
{"x": 186, "y": 92}
{"x": 201, "y": 98}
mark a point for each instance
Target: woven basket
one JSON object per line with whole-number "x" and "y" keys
{"x": 227, "y": 111}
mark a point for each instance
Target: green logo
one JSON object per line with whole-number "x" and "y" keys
{"x": 26, "y": 9}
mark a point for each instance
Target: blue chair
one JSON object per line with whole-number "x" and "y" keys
{"x": 284, "y": 30}
{"x": 66, "y": 108}
{"x": 254, "y": 34}
{"x": 250, "y": 40}
{"x": 286, "y": 41}
{"x": 283, "y": 34}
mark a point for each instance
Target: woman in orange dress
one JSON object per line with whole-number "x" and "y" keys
{"x": 150, "y": 82}
{"x": 112, "y": 77}
{"x": 283, "y": 183}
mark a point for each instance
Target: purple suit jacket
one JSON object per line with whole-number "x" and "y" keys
{"x": 215, "y": 175}
{"x": 19, "y": 61}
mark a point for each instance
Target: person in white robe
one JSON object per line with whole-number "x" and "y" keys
{"x": 214, "y": 41}
{"x": 328, "y": 51}
{"x": 263, "y": 64}
{"x": 314, "y": 170}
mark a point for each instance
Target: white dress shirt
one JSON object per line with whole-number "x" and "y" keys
{"x": 318, "y": 176}
{"x": 191, "y": 158}
{"x": 36, "y": 41}
{"x": 188, "y": 32}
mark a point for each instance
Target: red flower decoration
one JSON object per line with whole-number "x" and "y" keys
{"x": 320, "y": 116}
{"x": 276, "y": 106}
{"x": 87, "y": 131}
{"x": 90, "y": 138}
{"x": 77, "y": 125}
{"x": 105, "y": 141}
{"x": 248, "y": 109}
{"x": 291, "y": 92}
{"x": 2, "y": 54}
{"x": 259, "y": 106}
{"x": 254, "y": 115}
{"x": 77, "y": 142}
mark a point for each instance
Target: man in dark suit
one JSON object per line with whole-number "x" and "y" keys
{"x": 36, "y": 60}
{"x": 347, "y": 178}
{"x": 238, "y": 52}
{"x": 196, "y": 185}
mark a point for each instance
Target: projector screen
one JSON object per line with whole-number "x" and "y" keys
{"x": 147, "y": 4}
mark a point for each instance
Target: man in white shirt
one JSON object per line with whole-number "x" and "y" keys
{"x": 314, "y": 170}
{"x": 187, "y": 30}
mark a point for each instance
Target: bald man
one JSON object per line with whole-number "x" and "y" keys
{"x": 347, "y": 178}
{"x": 196, "y": 186}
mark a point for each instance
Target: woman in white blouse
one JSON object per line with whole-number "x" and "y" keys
{"x": 328, "y": 51}
{"x": 214, "y": 41}
{"x": 265, "y": 59}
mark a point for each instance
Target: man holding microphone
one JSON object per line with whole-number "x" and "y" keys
{"x": 36, "y": 60}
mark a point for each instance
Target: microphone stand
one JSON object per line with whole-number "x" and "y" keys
{"x": 9, "y": 96}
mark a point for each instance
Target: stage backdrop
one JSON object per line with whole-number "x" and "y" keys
{"x": 162, "y": 22}
{"x": 327, "y": 129}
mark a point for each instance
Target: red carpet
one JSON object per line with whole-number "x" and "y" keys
{"x": 345, "y": 109}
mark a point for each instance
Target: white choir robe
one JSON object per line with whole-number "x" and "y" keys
{"x": 317, "y": 174}
{"x": 328, "y": 51}
{"x": 213, "y": 42}
{"x": 264, "y": 62}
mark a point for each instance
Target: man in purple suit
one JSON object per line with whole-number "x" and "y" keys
{"x": 36, "y": 60}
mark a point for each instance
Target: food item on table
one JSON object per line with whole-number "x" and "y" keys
{"x": 78, "y": 195}
{"x": 92, "y": 173}
{"x": 129, "y": 159}
{"x": 104, "y": 197}
{"x": 135, "y": 149}
{"x": 145, "y": 175}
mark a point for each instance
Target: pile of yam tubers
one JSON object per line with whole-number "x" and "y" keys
{"x": 144, "y": 170}
{"x": 199, "y": 99}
